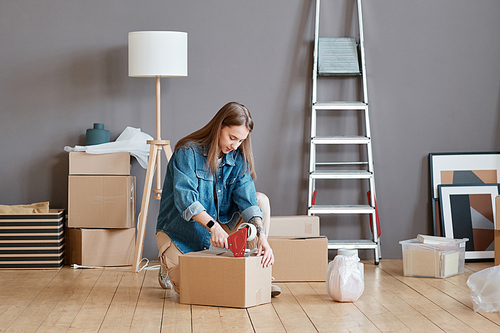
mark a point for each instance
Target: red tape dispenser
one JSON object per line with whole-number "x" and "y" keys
{"x": 237, "y": 241}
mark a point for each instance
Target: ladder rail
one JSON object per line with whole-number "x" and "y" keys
{"x": 312, "y": 150}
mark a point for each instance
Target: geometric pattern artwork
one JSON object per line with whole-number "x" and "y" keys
{"x": 456, "y": 169}
{"x": 472, "y": 216}
{"x": 463, "y": 177}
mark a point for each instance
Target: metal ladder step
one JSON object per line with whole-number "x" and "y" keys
{"x": 341, "y": 209}
{"x": 351, "y": 244}
{"x": 340, "y": 106}
{"x": 340, "y": 140}
{"x": 342, "y": 174}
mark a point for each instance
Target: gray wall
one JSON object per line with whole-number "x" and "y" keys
{"x": 433, "y": 75}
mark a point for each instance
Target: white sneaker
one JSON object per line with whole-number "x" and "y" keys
{"x": 163, "y": 278}
{"x": 275, "y": 290}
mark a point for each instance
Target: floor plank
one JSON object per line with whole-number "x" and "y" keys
{"x": 265, "y": 319}
{"x": 291, "y": 314}
{"x": 465, "y": 319}
{"x": 389, "y": 292}
{"x": 18, "y": 289}
{"x": 121, "y": 310}
{"x": 63, "y": 314}
{"x": 91, "y": 315}
{"x": 176, "y": 316}
{"x": 40, "y": 307}
{"x": 149, "y": 310}
{"x": 347, "y": 316}
{"x": 119, "y": 300}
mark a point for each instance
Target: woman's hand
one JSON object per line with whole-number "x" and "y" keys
{"x": 218, "y": 237}
{"x": 264, "y": 250}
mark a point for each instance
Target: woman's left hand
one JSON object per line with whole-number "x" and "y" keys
{"x": 264, "y": 250}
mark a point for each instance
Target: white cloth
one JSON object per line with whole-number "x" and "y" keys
{"x": 131, "y": 140}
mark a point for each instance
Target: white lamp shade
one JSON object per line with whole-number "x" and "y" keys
{"x": 157, "y": 53}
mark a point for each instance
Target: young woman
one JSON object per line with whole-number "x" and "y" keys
{"x": 209, "y": 190}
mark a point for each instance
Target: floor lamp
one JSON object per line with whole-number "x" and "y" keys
{"x": 154, "y": 54}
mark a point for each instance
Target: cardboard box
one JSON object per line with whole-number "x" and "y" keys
{"x": 217, "y": 278}
{"x": 32, "y": 241}
{"x": 101, "y": 201}
{"x": 433, "y": 260}
{"x": 294, "y": 226}
{"x": 81, "y": 163}
{"x": 497, "y": 247}
{"x": 299, "y": 258}
{"x": 100, "y": 247}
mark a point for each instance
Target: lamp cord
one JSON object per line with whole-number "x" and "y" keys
{"x": 144, "y": 267}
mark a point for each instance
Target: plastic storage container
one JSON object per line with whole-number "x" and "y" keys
{"x": 439, "y": 260}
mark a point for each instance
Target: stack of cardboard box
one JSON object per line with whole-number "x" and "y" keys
{"x": 300, "y": 253}
{"x": 101, "y": 202}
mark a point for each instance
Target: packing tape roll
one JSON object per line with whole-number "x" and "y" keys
{"x": 252, "y": 231}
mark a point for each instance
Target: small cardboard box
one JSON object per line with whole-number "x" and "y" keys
{"x": 32, "y": 241}
{"x": 217, "y": 278}
{"x": 294, "y": 226}
{"x": 82, "y": 163}
{"x": 299, "y": 258}
{"x": 433, "y": 260}
{"x": 100, "y": 247}
{"x": 101, "y": 201}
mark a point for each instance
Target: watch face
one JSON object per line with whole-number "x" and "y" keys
{"x": 210, "y": 224}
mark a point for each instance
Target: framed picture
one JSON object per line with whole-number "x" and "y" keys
{"x": 468, "y": 211}
{"x": 460, "y": 168}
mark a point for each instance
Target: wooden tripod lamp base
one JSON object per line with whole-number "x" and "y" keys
{"x": 154, "y": 161}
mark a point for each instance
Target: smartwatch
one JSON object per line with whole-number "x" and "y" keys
{"x": 210, "y": 224}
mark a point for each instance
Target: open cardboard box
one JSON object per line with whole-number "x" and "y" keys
{"x": 216, "y": 278}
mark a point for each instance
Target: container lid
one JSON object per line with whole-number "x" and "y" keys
{"x": 451, "y": 242}
{"x": 347, "y": 252}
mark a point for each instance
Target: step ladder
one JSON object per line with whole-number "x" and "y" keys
{"x": 342, "y": 57}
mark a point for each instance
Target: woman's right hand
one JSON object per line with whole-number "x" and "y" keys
{"x": 218, "y": 237}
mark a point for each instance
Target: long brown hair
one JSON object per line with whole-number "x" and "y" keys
{"x": 231, "y": 114}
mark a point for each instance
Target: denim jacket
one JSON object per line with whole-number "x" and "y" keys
{"x": 189, "y": 190}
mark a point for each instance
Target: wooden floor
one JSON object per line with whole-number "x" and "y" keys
{"x": 117, "y": 300}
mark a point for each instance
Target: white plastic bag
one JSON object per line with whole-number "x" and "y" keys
{"x": 344, "y": 281}
{"x": 485, "y": 287}
{"x": 131, "y": 140}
